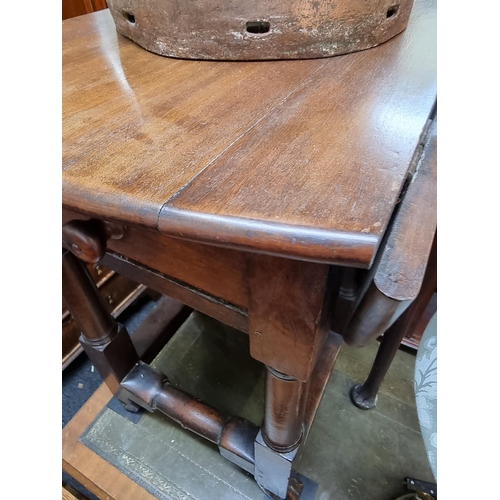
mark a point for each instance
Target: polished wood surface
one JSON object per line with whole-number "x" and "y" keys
{"x": 138, "y": 127}
{"x": 402, "y": 266}
{"x": 73, "y": 8}
{"x": 217, "y": 271}
{"x": 197, "y": 299}
{"x": 399, "y": 271}
{"x": 296, "y": 158}
{"x": 118, "y": 293}
{"x": 288, "y": 312}
{"x": 257, "y": 193}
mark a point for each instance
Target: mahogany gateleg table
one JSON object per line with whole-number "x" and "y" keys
{"x": 292, "y": 200}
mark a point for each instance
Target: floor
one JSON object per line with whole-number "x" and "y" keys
{"x": 351, "y": 454}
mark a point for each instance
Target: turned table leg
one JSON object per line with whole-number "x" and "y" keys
{"x": 135, "y": 383}
{"x": 284, "y": 411}
{"x": 106, "y": 342}
{"x": 289, "y": 312}
{"x": 278, "y": 441}
{"x": 288, "y": 329}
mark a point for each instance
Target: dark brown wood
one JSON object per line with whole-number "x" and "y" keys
{"x": 400, "y": 272}
{"x": 69, "y": 493}
{"x": 217, "y": 271}
{"x": 151, "y": 390}
{"x": 243, "y": 187}
{"x": 284, "y": 411}
{"x": 275, "y": 309}
{"x": 118, "y": 293}
{"x": 290, "y": 410}
{"x": 373, "y": 317}
{"x": 84, "y": 301}
{"x": 99, "y": 5}
{"x": 274, "y": 469}
{"x": 319, "y": 378}
{"x": 288, "y": 313}
{"x": 402, "y": 267}
{"x": 106, "y": 342}
{"x": 364, "y": 396}
{"x": 151, "y": 335}
{"x": 325, "y": 164}
{"x": 192, "y": 297}
{"x": 72, "y": 8}
{"x": 412, "y": 338}
{"x": 259, "y": 29}
{"x": 88, "y": 239}
{"x": 347, "y": 297}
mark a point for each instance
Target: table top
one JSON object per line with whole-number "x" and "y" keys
{"x": 304, "y": 159}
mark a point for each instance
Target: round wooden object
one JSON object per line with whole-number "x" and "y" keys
{"x": 259, "y": 29}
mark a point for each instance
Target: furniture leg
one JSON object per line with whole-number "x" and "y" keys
{"x": 364, "y": 396}
{"x": 284, "y": 411}
{"x": 299, "y": 302}
{"x": 278, "y": 441}
{"x": 288, "y": 326}
{"x": 106, "y": 342}
{"x": 135, "y": 383}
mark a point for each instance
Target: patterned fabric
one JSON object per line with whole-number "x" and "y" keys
{"x": 426, "y": 391}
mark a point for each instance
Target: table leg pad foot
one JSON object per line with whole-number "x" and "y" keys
{"x": 361, "y": 400}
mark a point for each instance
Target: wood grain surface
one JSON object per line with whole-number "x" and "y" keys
{"x": 303, "y": 159}
{"x": 72, "y": 8}
{"x": 402, "y": 267}
{"x": 138, "y": 127}
{"x": 288, "y": 312}
{"x": 192, "y": 297}
{"x": 217, "y": 271}
{"x": 67, "y": 495}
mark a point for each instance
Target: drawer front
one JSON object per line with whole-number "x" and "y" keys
{"x": 219, "y": 272}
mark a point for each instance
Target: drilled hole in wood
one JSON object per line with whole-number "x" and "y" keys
{"x": 392, "y": 11}
{"x": 129, "y": 17}
{"x": 258, "y": 27}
